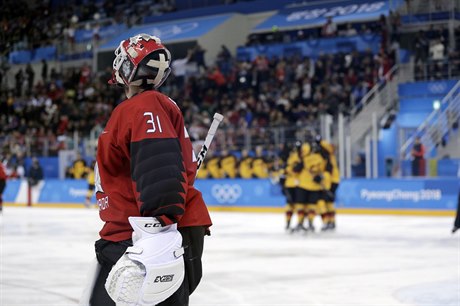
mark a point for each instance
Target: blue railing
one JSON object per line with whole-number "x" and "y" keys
{"x": 433, "y": 130}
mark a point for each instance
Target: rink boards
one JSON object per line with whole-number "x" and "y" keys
{"x": 401, "y": 196}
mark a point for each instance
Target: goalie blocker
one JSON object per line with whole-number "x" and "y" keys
{"x": 152, "y": 269}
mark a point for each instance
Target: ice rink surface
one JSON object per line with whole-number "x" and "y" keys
{"x": 249, "y": 260}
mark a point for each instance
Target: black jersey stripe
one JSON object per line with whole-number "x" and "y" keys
{"x": 157, "y": 169}
{"x": 156, "y": 161}
{"x": 151, "y": 176}
{"x": 164, "y": 186}
{"x": 170, "y": 211}
{"x": 162, "y": 151}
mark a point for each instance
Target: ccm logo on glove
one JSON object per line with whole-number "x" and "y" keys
{"x": 164, "y": 278}
{"x": 152, "y": 225}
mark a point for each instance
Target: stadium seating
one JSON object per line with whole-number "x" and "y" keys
{"x": 20, "y": 57}
{"x": 242, "y": 81}
{"x": 313, "y": 48}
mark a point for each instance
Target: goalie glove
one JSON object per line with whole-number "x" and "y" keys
{"x": 152, "y": 269}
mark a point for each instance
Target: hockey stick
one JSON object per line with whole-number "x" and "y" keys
{"x": 207, "y": 142}
{"x": 91, "y": 277}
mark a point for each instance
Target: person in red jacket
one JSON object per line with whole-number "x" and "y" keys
{"x": 215, "y": 75}
{"x": 154, "y": 219}
{"x": 418, "y": 158}
{"x": 3, "y": 177}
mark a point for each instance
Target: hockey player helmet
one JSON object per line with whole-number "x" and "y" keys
{"x": 318, "y": 138}
{"x": 141, "y": 60}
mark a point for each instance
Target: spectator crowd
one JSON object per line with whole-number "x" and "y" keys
{"x": 41, "y": 114}
{"x": 433, "y": 56}
{"x": 33, "y": 24}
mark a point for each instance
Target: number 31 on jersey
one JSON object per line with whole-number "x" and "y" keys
{"x": 153, "y": 123}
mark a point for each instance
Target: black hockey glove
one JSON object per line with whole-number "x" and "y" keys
{"x": 298, "y": 167}
{"x": 318, "y": 179}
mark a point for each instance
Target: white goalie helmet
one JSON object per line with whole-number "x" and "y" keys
{"x": 141, "y": 60}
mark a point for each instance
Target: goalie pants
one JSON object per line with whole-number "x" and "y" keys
{"x": 108, "y": 253}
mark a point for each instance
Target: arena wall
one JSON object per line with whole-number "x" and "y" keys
{"x": 380, "y": 196}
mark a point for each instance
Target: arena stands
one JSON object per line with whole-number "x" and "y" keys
{"x": 275, "y": 84}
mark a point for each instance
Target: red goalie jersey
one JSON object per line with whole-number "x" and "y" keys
{"x": 146, "y": 167}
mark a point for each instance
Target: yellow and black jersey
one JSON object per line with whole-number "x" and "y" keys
{"x": 78, "y": 169}
{"x": 292, "y": 176}
{"x": 90, "y": 176}
{"x": 213, "y": 166}
{"x": 314, "y": 163}
{"x": 260, "y": 167}
{"x": 277, "y": 175}
{"x": 228, "y": 165}
{"x": 244, "y": 167}
{"x": 335, "y": 174}
{"x": 313, "y": 176}
{"x": 277, "y": 171}
{"x": 270, "y": 163}
{"x": 203, "y": 173}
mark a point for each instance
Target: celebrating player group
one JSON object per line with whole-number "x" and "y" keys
{"x": 310, "y": 180}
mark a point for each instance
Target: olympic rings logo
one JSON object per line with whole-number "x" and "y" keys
{"x": 226, "y": 193}
{"x": 438, "y": 87}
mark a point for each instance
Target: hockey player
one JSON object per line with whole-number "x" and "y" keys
{"x": 244, "y": 165}
{"x": 2, "y": 184}
{"x": 291, "y": 184}
{"x": 79, "y": 167}
{"x": 327, "y": 152}
{"x": 313, "y": 182}
{"x": 90, "y": 180}
{"x": 259, "y": 164}
{"x": 302, "y": 192}
{"x": 155, "y": 220}
{"x": 213, "y": 166}
{"x": 228, "y": 164}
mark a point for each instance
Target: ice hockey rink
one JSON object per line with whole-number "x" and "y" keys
{"x": 250, "y": 260}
